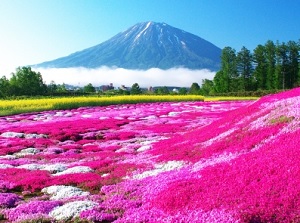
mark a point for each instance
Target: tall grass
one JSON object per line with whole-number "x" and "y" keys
{"x": 10, "y": 107}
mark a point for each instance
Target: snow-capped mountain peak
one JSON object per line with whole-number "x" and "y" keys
{"x": 143, "y": 46}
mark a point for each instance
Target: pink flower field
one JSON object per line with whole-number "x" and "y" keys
{"x": 154, "y": 162}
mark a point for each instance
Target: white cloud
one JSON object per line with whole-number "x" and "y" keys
{"x": 180, "y": 77}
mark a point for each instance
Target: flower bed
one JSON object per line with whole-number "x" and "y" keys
{"x": 233, "y": 161}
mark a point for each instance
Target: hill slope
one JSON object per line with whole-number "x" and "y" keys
{"x": 245, "y": 165}
{"x": 143, "y": 46}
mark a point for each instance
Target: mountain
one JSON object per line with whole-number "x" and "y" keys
{"x": 143, "y": 46}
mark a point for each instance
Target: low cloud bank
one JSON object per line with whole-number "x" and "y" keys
{"x": 180, "y": 77}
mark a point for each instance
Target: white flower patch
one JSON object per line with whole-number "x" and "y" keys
{"x": 131, "y": 118}
{"x": 8, "y": 157}
{"x": 123, "y": 149}
{"x": 22, "y": 135}
{"x": 67, "y": 142}
{"x": 13, "y": 135}
{"x": 144, "y": 148}
{"x": 119, "y": 118}
{"x": 160, "y": 168}
{"x": 55, "y": 168}
{"x": 28, "y": 151}
{"x": 76, "y": 169}
{"x": 35, "y": 136}
{"x": 171, "y": 114}
{"x": 71, "y": 210}
{"x": 59, "y": 192}
{"x": 86, "y": 116}
{"x": 63, "y": 114}
{"x": 155, "y": 139}
{"x": 222, "y": 158}
{"x": 219, "y": 137}
{"x": 53, "y": 150}
{"x": 59, "y": 114}
{"x": 105, "y": 175}
{"x": 163, "y": 116}
{"x": 5, "y": 166}
{"x": 149, "y": 117}
{"x": 31, "y": 166}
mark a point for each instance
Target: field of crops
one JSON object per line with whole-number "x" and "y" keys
{"x": 9, "y": 107}
{"x": 184, "y": 161}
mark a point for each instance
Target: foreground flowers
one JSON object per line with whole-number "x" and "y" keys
{"x": 156, "y": 162}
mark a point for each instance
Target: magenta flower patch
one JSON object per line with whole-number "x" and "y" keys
{"x": 154, "y": 162}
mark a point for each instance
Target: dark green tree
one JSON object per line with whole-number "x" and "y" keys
{"x": 4, "y": 87}
{"x": 260, "y": 64}
{"x": 270, "y": 52}
{"x": 135, "y": 89}
{"x": 27, "y": 82}
{"x": 228, "y": 77}
{"x": 282, "y": 65}
{"x": 207, "y": 87}
{"x": 89, "y": 88}
{"x": 162, "y": 91}
{"x": 183, "y": 91}
{"x": 61, "y": 88}
{"x": 219, "y": 82}
{"x": 298, "y": 76}
{"x": 123, "y": 92}
{"x": 52, "y": 88}
{"x": 293, "y": 64}
{"x": 245, "y": 69}
{"x": 195, "y": 89}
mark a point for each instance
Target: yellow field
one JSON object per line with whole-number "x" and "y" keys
{"x": 9, "y": 107}
{"x": 224, "y": 98}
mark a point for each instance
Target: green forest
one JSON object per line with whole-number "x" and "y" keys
{"x": 269, "y": 68}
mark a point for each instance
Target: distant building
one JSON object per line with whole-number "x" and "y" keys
{"x": 150, "y": 89}
{"x": 175, "y": 90}
{"x": 107, "y": 87}
{"x": 123, "y": 88}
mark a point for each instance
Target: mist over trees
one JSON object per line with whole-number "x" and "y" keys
{"x": 269, "y": 68}
{"x": 26, "y": 82}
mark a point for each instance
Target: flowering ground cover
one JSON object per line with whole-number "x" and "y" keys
{"x": 233, "y": 161}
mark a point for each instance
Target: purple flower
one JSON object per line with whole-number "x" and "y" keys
{"x": 99, "y": 216}
{"x": 31, "y": 208}
{"x": 8, "y": 200}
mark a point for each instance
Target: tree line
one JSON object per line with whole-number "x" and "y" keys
{"x": 270, "y": 67}
{"x": 26, "y": 82}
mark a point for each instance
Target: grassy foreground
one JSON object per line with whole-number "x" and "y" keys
{"x": 10, "y": 107}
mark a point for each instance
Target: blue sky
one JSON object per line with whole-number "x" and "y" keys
{"x": 34, "y": 31}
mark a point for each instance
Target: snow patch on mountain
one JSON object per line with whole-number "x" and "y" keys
{"x": 138, "y": 35}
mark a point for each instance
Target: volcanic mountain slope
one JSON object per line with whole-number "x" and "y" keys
{"x": 143, "y": 46}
